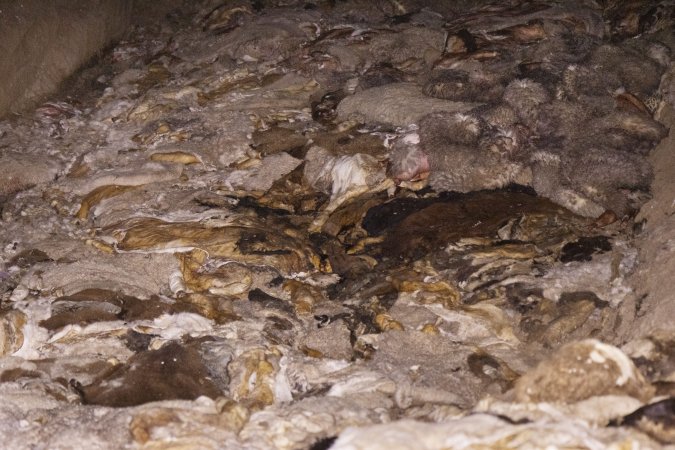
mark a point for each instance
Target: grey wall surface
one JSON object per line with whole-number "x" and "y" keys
{"x": 44, "y": 41}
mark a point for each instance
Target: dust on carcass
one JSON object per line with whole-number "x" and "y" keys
{"x": 297, "y": 224}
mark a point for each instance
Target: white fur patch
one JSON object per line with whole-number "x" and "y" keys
{"x": 347, "y": 172}
{"x": 546, "y": 158}
{"x": 411, "y": 139}
{"x": 469, "y": 122}
{"x": 603, "y": 352}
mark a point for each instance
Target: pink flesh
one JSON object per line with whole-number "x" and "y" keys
{"x": 415, "y": 167}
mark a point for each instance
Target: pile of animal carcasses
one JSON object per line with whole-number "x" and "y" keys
{"x": 351, "y": 225}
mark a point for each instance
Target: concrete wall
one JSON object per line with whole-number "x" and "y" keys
{"x": 44, "y": 41}
{"x": 653, "y": 282}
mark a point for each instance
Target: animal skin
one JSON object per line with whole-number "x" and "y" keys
{"x": 448, "y": 141}
{"x": 565, "y": 112}
{"x": 586, "y": 157}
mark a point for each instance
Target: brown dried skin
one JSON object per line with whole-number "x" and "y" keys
{"x": 100, "y": 246}
{"x": 28, "y": 258}
{"x": 349, "y": 142}
{"x": 249, "y": 245}
{"x": 142, "y": 425}
{"x": 156, "y": 74}
{"x": 655, "y": 419}
{"x": 340, "y": 262}
{"x": 228, "y": 279}
{"x": 349, "y": 215}
{"x": 492, "y": 370}
{"x": 581, "y": 370}
{"x": 172, "y": 372}
{"x": 98, "y": 305}
{"x": 244, "y": 83}
{"x": 503, "y": 16}
{"x": 212, "y": 306}
{"x": 12, "y": 325}
{"x": 152, "y": 133}
{"x": 440, "y": 292}
{"x": 226, "y": 17}
{"x": 516, "y": 251}
{"x": 385, "y": 323}
{"x": 187, "y": 427}
{"x": 79, "y": 314}
{"x": 379, "y": 75}
{"x": 256, "y": 365}
{"x": 555, "y": 324}
{"x": 629, "y": 102}
{"x": 628, "y": 19}
{"x": 17, "y": 374}
{"x": 485, "y": 278}
{"x": 657, "y": 362}
{"x": 278, "y": 139}
{"x": 605, "y": 219}
{"x": 96, "y": 196}
{"x": 303, "y": 296}
{"x": 527, "y": 33}
{"x": 147, "y": 112}
{"x": 175, "y": 157}
{"x": 471, "y": 215}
